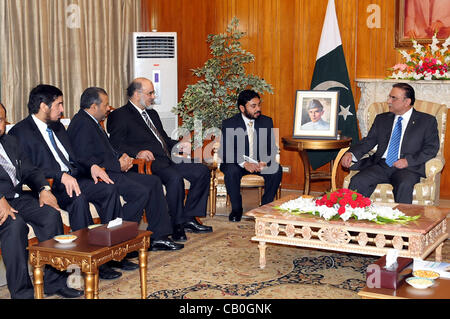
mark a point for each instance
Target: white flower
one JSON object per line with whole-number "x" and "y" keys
{"x": 434, "y": 44}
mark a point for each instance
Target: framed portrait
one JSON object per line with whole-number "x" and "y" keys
{"x": 315, "y": 114}
{"x": 420, "y": 20}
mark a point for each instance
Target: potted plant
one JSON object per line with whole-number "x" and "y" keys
{"x": 213, "y": 98}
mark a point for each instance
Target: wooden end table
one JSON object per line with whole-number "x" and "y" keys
{"x": 416, "y": 239}
{"x": 88, "y": 258}
{"x": 303, "y": 145}
{"x": 439, "y": 290}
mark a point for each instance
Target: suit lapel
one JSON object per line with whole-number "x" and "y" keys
{"x": 409, "y": 128}
{"x": 138, "y": 117}
{"x": 37, "y": 133}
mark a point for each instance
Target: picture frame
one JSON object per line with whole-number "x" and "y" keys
{"x": 315, "y": 115}
{"x": 410, "y": 18}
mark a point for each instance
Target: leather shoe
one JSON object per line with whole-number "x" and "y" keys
{"x": 164, "y": 244}
{"x": 235, "y": 216}
{"x": 68, "y": 292}
{"x": 106, "y": 272}
{"x": 124, "y": 264}
{"x": 195, "y": 227}
{"x": 178, "y": 234}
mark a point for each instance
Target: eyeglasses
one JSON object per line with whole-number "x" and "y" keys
{"x": 394, "y": 98}
{"x": 149, "y": 93}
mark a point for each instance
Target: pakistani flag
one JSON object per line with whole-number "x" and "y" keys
{"x": 330, "y": 73}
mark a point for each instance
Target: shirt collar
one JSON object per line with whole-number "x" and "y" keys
{"x": 406, "y": 116}
{"x": 247, "y": 120}
{"x": 42, "y": 126}
{"x": 137, "y": 107}
{"x": 95, "y": 120}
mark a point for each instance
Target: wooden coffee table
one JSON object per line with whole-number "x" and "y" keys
{"x": 439, "y": 290}
{"x": 88, "y": 258}
{"x": 416, "y": 239}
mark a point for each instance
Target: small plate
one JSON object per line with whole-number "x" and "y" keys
{"x": 420, "y": 283}
{"x": 428, "y": 274}
{"x": 64, "y": 239}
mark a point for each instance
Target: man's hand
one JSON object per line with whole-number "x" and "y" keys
{"x": 99, "y": 173}
{"x": 126, "y": 162}
{"x": 47, "y": 198}
{"x": 252, "y": 167}
{"x": 6, "y": 210}
{"x": 346, "y": 160}
{"x": 71, "y": 184}
{"x": 401, "y": 163}
{"x": 145, "y": 154}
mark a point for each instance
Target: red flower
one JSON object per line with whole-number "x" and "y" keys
{"x": 341, "y": 210}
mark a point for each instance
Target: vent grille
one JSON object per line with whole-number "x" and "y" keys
{"x": 155, "y": 47}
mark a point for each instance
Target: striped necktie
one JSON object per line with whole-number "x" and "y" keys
{"x": 156, "y": 133}
{"x": 394, "y": 144}
{"x": 9, "y": 168}
{"x": 58, "y": 150}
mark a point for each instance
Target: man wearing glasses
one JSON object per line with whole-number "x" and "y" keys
{"x": 406, "y": 140}
{"x": 136, "y": 129}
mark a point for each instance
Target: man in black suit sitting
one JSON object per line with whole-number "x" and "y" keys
{"x": 44, "y": 138}
{"x": 136, "y": 129}
{"x": 405, "y": 138}
{"x": 17, "y": 208}
{"x": 91, "y": 145}
{"x": 248, "y": 147}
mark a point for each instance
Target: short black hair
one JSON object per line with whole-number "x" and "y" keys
{"x": 91, "y": 96}
{"x": 133, "y": 87}
{"x": 246, "y": 96}
{"x": 408, "y": 89}
{"x": 42, "y": 93}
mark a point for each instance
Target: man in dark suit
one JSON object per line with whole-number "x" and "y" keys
{"x": 136, "y": 129}
{"x": 91, "y": 145}
{"x": 17, "y": 208}
{"x": 45, "y": 140}
{"x": 248, "y": 147}
{"x": 406, "y": 140}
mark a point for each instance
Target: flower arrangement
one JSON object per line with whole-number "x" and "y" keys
{"x": 345, "y": 204}
{"x": 429, "y": 62}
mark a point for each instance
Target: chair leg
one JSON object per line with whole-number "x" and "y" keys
{"x": 260, "y": 195}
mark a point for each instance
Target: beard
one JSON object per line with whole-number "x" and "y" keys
{"x": 49, "y": 120}
{"x": 147, "y": 107}
{"x": 253, "y": 116}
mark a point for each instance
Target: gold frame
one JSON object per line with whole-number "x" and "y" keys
{"x": 401, "y": 41}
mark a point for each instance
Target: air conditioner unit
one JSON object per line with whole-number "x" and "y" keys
{"x": 154, "y": 56}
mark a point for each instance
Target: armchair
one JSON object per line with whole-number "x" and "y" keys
{"x": 426, "y": 192}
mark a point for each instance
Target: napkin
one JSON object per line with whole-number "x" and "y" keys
{"x": 115, "y": 222}
{"x": 391, "y": 258}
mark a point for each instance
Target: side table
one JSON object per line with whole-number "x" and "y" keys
{"x": 88, "y": 257}
{"x": 303, "y": 145}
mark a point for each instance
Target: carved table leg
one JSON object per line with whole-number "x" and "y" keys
{"x": 306, "y": 169}
{"x": 38, "y": 274}
{"x": 262, "y": 254}
{"x": 89, "y": 285}
{"x": 439, "y": 252}
{"x": 143, "y": 271}
{"x": 96, "y": 285}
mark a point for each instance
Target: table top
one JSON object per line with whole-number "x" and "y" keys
{"x": 81, "y": 246}
{"x": 316, "y": 144}
{"x": 439, "y": 290}
{"x": 430, "y": 217}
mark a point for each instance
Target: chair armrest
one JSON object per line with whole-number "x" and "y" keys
{"x": 144, "y": 167}
{"x": 50, "y": 182}
{"x": 434, "y": 166}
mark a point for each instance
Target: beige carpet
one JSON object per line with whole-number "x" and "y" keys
{"x": 225, "y": 264}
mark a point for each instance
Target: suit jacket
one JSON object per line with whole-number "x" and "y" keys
{"x": 130, "y": 134}
{"x": 26, "y": 172}
{"x": 40, "y": 154}
{"x": 91, "y": 144}
{"x": 420, "y": 142}
{"x": 234, "y": 141}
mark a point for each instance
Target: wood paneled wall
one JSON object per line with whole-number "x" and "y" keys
{"x": 284, "y": 36}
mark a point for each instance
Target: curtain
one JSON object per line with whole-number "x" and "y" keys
{"x": 71, "y": 44}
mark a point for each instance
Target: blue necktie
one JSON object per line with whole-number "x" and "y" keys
{"x": 58, "y": 151}
{"x": 394, "y": 144}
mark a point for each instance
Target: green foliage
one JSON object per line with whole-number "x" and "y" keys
{"x": 213, "y": 98}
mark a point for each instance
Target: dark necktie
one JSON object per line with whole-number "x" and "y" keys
{"x": 106, "y": 139}
{"x": 58, "y": 151}
{"x": 394, "y": 144}
{"x": 156, "y": 132}
{"x": 9, "y": 168}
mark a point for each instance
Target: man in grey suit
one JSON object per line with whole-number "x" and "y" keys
{"x": 406, "y": 140}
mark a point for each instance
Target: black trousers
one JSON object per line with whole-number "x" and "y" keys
{"x": 46, "y": 223}
{"x": 402, "y": 181}
{"x": 233, "y": 174}
{"x": 141, "y": 192}
{"x": 197, "y": 199}
{"x": 105, "y": 198}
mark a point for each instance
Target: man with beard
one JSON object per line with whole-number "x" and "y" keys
{"x": 248, "y": 147}
{"x": 45, "y": 140}
{"x": 91, "y": 145}
{"x": 136, "y": 129}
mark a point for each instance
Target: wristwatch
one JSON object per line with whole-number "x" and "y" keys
{"x": 46, "y": 187}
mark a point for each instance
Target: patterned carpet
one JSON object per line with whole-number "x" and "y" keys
{"x": 225, "y": 264}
